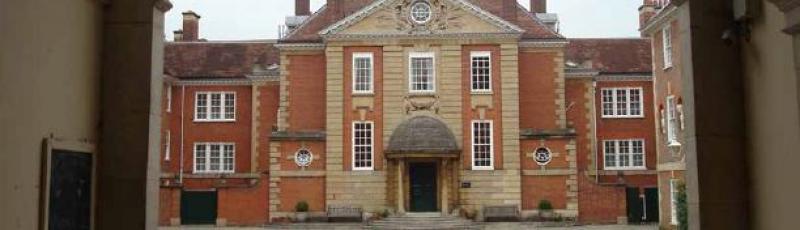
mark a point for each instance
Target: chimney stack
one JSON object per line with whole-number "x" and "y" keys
{"x": 510, "y": 10}
{"x": 191, "y": 24}
{"x": 539, "y": 6}
{"x": 646, "y": 12}
{"x": 302, "y": 7}
{"x": 178, "y": 35}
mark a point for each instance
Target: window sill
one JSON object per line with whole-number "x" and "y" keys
{"x": 668, "y": 68}
{"x": 626, "y": 169}
{"x": 214, "y": 175}
{"x": 622, "y": 117}
{"x": 370, "y": 94}
{"x": 674, "y": 144}
{"x": 422, "y": 93}
{"x": 482, "y": 168}
{"x": 481, "y": 93}
{"x": 214, "y": 121}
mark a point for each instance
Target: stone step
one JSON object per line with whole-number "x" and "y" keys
{"x": 423, "y": 222}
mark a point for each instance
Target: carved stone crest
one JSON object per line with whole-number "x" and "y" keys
{"x": 421, "y": 104}
{"x": 438, "y": 21}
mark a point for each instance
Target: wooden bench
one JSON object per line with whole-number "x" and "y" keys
{"x": 344, "y": 213}
{"x": 501, "y": 213}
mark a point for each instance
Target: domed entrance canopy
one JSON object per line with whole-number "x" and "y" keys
{"x": 422, "y": 136}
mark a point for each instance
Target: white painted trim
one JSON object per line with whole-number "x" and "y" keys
{"x": 208, "y": 158}
{"x": 667, "y": 45}
{"x": 371, "y": 73}
{"x": 54, "y": 143}
{"x": 671, "y": 110}
{"x": 169, "y": 98}
{"x": 630, "y": 155}
{"x": 208, "y": 106}
{"x": 491, "y": 145}
{"x": 353, "y": 145}
{"x": 614, "y": 102}
{"x": 413, "y": 55}
{"x": 673, "y": 183}
{"x": 475, "y": 54}
{"x": 167, "y": 145}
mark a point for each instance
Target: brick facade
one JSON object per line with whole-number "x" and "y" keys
{"x": 301, "y": 98}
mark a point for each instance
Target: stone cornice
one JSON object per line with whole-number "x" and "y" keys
{"x": 345, "y": 37}
{"x": 555, "y": 43}
{"x": 654, "y": 23}
{"x": 300, "y": 46}
{"x": 223, "y": 81}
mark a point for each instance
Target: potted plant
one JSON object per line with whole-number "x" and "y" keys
{"x": 545, "y": 209}
{"x": 301, "y": 210}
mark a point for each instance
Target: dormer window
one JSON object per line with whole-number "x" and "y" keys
{"x": 421, "y": 12}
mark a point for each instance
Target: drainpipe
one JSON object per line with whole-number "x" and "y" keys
{"x": 594, "y": 133}
{"x": 183, "y": 103}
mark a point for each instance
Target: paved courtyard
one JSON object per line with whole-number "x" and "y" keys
{"x": 492, "y": 226}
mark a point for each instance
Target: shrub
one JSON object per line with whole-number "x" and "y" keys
{"x": 301, "y": 206}
{"x": 545, "y": 205}
{"x": 683, "y": 209}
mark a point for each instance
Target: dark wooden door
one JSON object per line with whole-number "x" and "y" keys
{"x": 635, "y": 211}
{"x": 651, "y": 205}
{"x": 70, "y": 191}
{"x": 198, "y": 207}
{"x": 423, "y": 187}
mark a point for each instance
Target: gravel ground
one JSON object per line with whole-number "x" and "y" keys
{"x": 488, "y": 226}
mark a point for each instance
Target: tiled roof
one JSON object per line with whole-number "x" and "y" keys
{"x": 308, "y": 32}
{"x": 613, "y": 55}
{"x": 220, "y": 59}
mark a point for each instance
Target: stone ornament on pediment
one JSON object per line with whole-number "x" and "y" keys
{"x": 437, "y": 22}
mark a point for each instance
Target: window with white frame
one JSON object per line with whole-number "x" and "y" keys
{"x": 215, "y": 106}
{"x": 622, "y": 102}
{"x": 624, "y": 154}
{"x": 673, "y": 192}
{"x": 213, "y": 157}
{"x": 666, "y": 34}
{"x": 362, "y": 145}
{"x": 482, "y": 150}
{"x": 422, "y": 73}
{"x": 362, "y": 73}
{"x": 169, "y": 98}
{"x": 481, "y": 71}
{"x": 672, "y": 121}
{"x": 167, "y": 139}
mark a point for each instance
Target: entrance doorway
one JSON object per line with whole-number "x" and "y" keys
{"x": 198, "y": 207}
{"x": 423, "y": 189}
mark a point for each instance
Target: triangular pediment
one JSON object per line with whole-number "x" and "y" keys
{"x": 393, "y": 17}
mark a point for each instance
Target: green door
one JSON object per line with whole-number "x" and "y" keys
{"x": 198, "y": 207}
{"x": 423, "y": 187}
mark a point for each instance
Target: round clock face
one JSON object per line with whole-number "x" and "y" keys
{"x": 542, "y": 156}
{"x": 303, "y": 158}
{"x": 421, "y": 12}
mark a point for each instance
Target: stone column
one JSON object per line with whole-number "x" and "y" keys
{"x": 400, "y": 202}
{"x": 445, "y": 186}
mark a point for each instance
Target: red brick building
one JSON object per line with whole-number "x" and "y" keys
{"x": 385, "y": 106}
{"x": 661, "y": 21}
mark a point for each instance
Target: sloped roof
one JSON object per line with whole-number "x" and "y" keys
{"x": 220, "y": 59}
{"x": 309, "y": 31}
{"x": 611, "y": 55}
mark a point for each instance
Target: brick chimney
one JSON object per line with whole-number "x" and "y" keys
{"x": 191, "y": 24}
{"x": 336, "y": 8}
{"x": 510, "y": 10}
{"x": 646, "y": 12}
{"x": 302, "y": 7}
{"x": 539, "y": 6}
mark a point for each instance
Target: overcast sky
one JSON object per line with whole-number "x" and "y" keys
{"x": 259, "y": 19}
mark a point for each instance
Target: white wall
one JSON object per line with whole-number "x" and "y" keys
{"x": 773, "y": 121}
{"x": 49, "y": 84}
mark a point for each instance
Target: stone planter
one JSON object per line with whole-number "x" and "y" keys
{"x": 301, "y": 216}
